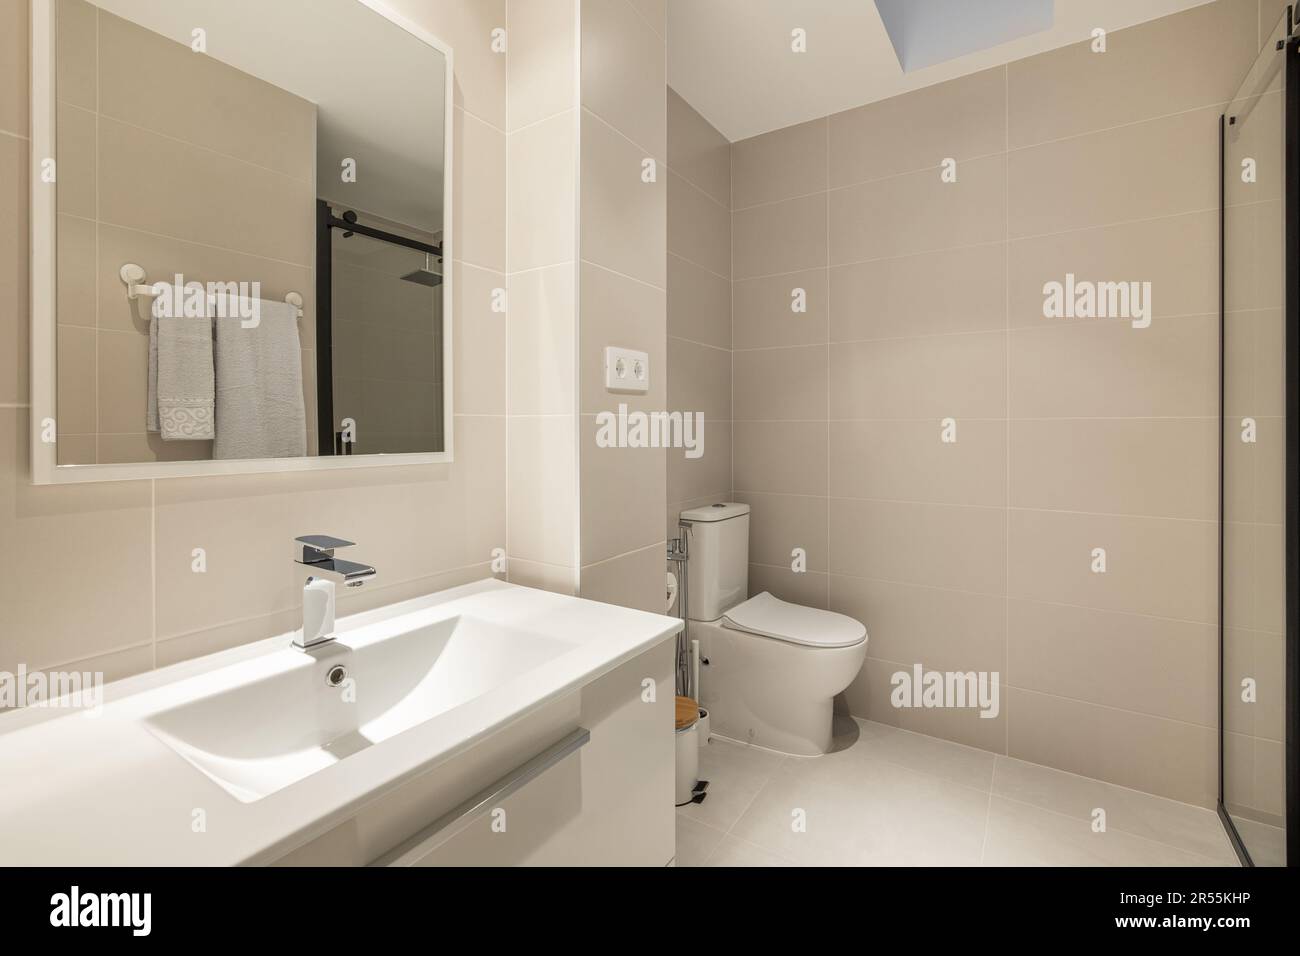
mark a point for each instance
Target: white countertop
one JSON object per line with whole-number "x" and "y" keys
{"x": 102, "y": 790}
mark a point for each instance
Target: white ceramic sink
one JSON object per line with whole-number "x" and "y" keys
{"x": 254, "y": 737}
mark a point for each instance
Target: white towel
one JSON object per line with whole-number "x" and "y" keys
{"x": 260, "y": 410}
{"x": 181, "y": 394}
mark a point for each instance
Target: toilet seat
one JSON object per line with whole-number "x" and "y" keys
{"x": 769, "y": 616}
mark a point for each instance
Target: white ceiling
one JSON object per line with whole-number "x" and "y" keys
{"x": 378, "y": 89}
{"x": 731, "y": 59}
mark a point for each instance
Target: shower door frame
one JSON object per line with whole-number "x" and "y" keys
{"x": 1291, "y": 531}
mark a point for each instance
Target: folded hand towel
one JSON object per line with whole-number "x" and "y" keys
{"x": 260, "y": 409}
{"x": 181, "y": 392}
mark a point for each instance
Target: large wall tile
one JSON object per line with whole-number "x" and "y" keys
{"x": 616, "y": 310}
{"x": 1191, "y": 59}
{"x": 705, "y": 476}
{"x": 779, "y": 237}
{"x": 1164, "y": 467}
{"x": 614, "y": 196}
{"x": 543, "y": 212}
{"x": 63, "y": 601}
{"x": 699, "y": 227}
{"x": 780, "y": 523}
{"x": 961, "y": 119}
{"x": 466, "y": 26}
{"x": 543, "y": 60}
{"x": 763, "y": 310}
{"x": 696, "y": 151}
{"x": 942, "y": 629}
{"x": 543, "y": 332}
{"x": 699, "y": 380}
{"x": 787, "y": 457}
{"x": 909, "y": 461}
{"x": 1107, "y": 368}
{"x": 918, "y": 212}
{"x": 15, "y": 43}
{"x": 785, "y": 384}
{"x": 480, "y": 221}
{"x": 479, "y": 340}
{"x": 623, "y": 493}
{"x": 1145, "y": 664}
{"x": 14, "y": 269}
{"x": 699, "y": 301}
{"x": 1159, "y": 168}
{"x": 938, "y": 545}
{"x": 632, "y": 580}
{"x": 623, "y": 73}
{"x": 1166, "y": 757}
{"x": 542, "y": 481}
{"x": 1157, "y": 566}
{"x": 892, "y": 298}
{"x": 957, "y": 376}
{"x": 783, "y": 164}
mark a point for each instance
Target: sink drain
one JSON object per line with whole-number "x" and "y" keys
{"x": 336, "y": 675}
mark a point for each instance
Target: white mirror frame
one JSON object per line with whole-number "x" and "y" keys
{"x": 44, "y": 283}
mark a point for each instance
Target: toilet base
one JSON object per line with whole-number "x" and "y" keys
{"x": 771, "y": 693}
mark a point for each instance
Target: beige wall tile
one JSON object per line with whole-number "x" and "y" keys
{"x": 479, "y": 191}
{"x": 548, "y": 577}
{"x": 542, "y": 500}
{"x": 77, "y": 449}
{"x": 779, "y": 237}
{"x": 199, "y": 195}
{"x": 1165, "y": 757}
{"x": 868, "y": 697}
{"x": 543, "y": 198}
{"x": 945, "y": 630}
{"x": 1151, "y": 169}
{"x": 1145, "y": 664}
{"x": 75, "y": 154}
{"x": 1270, "y": 15}
{"x": 699, "y": 380}
{"x": 633, "y": 580}
{"x": 15, "y": 42}
{"x": 788, "y": 457}
{"x": 543, "y": 60}
{"x": 936, "y": 545}
{"x": 624, "y": 220}
{"x": 783, "y": 164}
{"x": 623, "y": 491}
{"x": 75, "y": 296}
{"x": 620, "y": 311}
{"x": 76, "y": 52}
{"x": 14, "y": 307}
{"x": 1159, "y": 467}
{"x": 960, "y": 119}
{"x": 150, "y": 81}
{"x": 764, "y": 313}
{"x": 1199, "y": 56}
{"x": 57, "y": 596}
{"x": 909, "y": 461}
{"x": 917, "y": 212}
{"x": 543, "y": 327}
{"x": 1156, "y": 566}
{"x": 1178, "y": 255}
{"x": 466, "y": 26}
{"x": 142, "y": 446}
{"x": 696, "y": 151}
{"x": 699, "y": 227}
{"x": 77, "y": 403}
{"x": 707, "y": 476}
{"x": 808, "y": 588}
{"x": 958, "y": 376}
{"x": 699, "y": 301}
{"x": 889, "y": 298}
{"x": 780, "y": 384}
{"x": 123, "y": 380}
{"x": 780, "y": 523}
{"x": 1107, "y": 368}
{"x": 479, "y": 341}
{"x": 624, "y": 79}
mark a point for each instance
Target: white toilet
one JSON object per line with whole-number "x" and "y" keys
{"x": 773, "y": 667}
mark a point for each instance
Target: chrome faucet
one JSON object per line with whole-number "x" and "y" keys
{"x": 316, "y": 553}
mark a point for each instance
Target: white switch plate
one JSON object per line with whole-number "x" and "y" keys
{"x": 626, "y": 370}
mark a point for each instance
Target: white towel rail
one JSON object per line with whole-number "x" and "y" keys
{"x": 133, "y": 276}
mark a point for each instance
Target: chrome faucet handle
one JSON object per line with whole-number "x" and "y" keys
{"x": 316, "y": 548}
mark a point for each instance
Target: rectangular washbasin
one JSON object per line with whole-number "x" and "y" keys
{"x": 267, "y": 724}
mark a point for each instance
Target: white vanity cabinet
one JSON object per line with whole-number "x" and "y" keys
{"x": 586, "y": 780}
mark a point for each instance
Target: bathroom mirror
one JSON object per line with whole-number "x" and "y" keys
{"x": 239, "y": 221}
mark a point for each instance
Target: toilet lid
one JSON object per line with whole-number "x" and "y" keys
{"x": 768, "y": 616}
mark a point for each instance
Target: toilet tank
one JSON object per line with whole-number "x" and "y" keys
{"x": 717, "y": 563}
